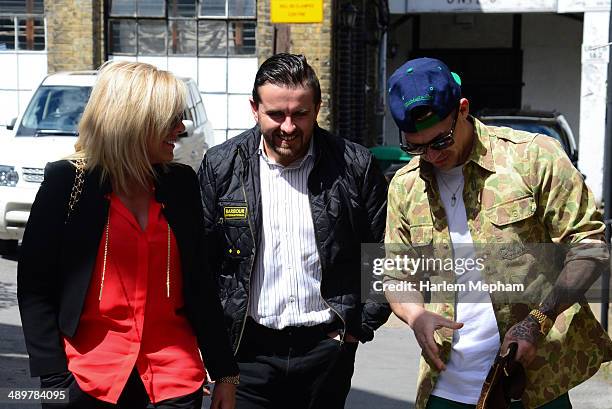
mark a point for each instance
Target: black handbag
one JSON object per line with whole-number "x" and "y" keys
{"x": 505, "y": 381}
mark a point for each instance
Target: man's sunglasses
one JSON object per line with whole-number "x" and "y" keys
{"x": 438, "y": 143}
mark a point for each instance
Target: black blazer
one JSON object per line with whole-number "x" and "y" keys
{"x": 57, "y": 259}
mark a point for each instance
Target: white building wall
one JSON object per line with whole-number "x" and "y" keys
{"x": 551, "y": 65}
{"x": 225, "y": 85}
{"x": 20, "y": 73}
{"x": 593, "y": 98}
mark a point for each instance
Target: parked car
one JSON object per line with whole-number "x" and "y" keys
{"x": 47, "y": 130}
{"x": 548, "y": 123}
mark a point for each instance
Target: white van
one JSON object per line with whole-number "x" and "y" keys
{"x": 47, "y": 130}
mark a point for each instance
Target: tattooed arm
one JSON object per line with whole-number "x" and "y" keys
{"x": 567, "y": 209}
{"x": 583, "y": 265}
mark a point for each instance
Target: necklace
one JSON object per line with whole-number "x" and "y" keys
{"x": 453, "y": 194}
{"x": 107, "y": 231}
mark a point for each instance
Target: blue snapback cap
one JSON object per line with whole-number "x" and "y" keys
{"x": 423, "y": 82}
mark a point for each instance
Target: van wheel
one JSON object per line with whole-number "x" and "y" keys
{"x": 8, "y": 247}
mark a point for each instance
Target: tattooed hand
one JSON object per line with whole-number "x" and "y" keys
{"x": 526, "y": 334}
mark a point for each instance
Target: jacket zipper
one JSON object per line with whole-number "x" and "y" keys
{"x": 254, "y": 251}
{"x": 314, "y": 225}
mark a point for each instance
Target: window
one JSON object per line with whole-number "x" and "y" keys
{"x": 22, "y": 7}
{"x": 141, "y": 8}
{"x": 201, "y": 112}
{"x": 151, "y": 8}
{"x": 227, "y": 8}
{"x": 242, "y": 37}
{"x": 123, "y": 7}
{"x": 212, "y": 8}
{"x": 55, "y": 110}
{"x": 182, "y": 8}
{"x": 31, "y": 33}
{"x": 152, "y": 37}
{"x": 183, "y": 37}
{"x": 216, "y": 28}
{"x": 212, "y": 40}
{"x": 7, "y": 33}
{"x": 123, "y": 36}
{"x": 241, "y": 8}
{"x": 22, "y": 25}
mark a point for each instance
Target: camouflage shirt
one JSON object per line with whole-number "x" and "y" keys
{"x": 519, "y": 188}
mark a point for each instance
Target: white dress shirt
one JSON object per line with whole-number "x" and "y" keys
{"x": 286, "y": 281}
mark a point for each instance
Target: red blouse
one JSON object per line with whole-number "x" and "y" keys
{"x": 135, "y": 323}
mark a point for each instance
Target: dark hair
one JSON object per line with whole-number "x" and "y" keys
{"x": 288, "y": 70}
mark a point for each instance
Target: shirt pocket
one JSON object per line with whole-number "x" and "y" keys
{"x": 421, "y": 235}
{"x": 421, "y": 243}
{"x": 511, "y": 211}
{"x": 512, "y": 227}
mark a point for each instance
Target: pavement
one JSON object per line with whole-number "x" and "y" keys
{"x": 385, "y": 369}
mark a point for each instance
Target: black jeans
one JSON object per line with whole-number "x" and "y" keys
{"x": 297, "y": 368}
{"x": 133, "y": 396}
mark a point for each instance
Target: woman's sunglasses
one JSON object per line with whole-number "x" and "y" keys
{"x": 438, "y": 143}
{"x": 177, "y": 120}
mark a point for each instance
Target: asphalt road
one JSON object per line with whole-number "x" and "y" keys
{"x": 385, "y": 369}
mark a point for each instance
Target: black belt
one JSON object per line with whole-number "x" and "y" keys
{"x": 293, "y": 335}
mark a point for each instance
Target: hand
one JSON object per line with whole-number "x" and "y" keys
{"x": 424, "y": 323}
{"x": 224, "y": 396}
{"x": 207, "y": 381}
{"x": 526, "y": 334}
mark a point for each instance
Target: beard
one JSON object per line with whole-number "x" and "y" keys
{"x": 291, "y": 149}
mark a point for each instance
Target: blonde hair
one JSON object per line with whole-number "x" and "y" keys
{"x": 132, "y": 106}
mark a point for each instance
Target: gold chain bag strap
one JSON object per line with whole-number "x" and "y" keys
{"x": 77, "y": 187}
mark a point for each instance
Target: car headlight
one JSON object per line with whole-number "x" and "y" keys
{"x": 8, "y": 176}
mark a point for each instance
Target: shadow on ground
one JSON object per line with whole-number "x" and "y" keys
{"x": 359, "y": 399}
{"x": 14, "y": 371}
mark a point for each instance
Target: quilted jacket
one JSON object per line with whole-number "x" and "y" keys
{"x": 348, "y": 197}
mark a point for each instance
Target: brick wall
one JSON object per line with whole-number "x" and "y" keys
{"x": 74, "y": 34}
{"x": 312, "y": 40}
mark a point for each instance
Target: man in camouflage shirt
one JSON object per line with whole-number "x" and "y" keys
{"x": 471, "y": 184}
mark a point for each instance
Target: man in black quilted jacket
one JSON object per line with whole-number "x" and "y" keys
{"x": 287, "y": 206}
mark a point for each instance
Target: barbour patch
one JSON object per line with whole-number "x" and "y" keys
{"x": 235, "y": 212}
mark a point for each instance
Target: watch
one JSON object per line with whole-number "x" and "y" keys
{"x": 234, "y": 379}
{"x": 545, "y": 322}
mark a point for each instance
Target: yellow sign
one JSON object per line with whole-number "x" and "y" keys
{"x": 234, "y": 212}
{"x": 296, "y": 11}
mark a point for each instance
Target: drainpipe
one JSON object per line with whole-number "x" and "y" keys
{"x": 382, "y": 86}
{"x": 383, "y": 26}
{"x": 607, "y": 190}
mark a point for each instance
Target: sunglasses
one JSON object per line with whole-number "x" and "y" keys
{"x": 177, "y": 120}
{"x": 438, "y": 143}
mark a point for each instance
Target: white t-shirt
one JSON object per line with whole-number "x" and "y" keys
{"x": 474, "y": 345}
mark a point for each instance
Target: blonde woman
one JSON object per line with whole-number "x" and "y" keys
{"x": 115, "y": 300}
